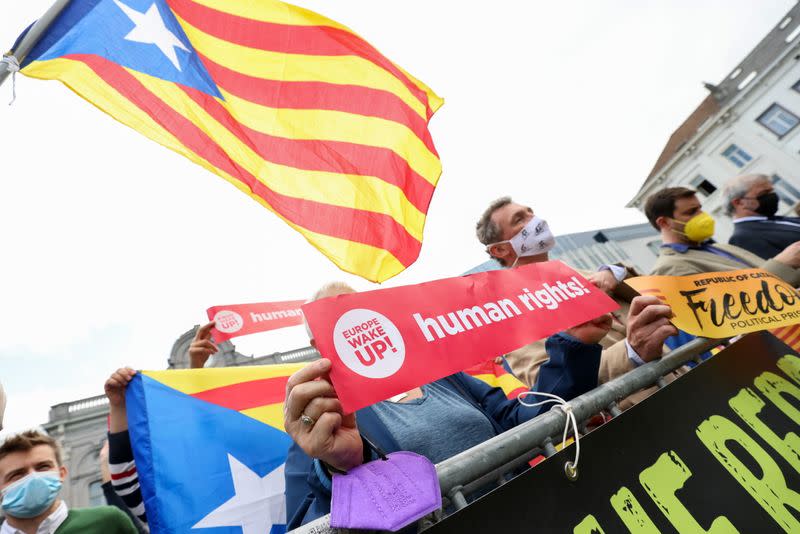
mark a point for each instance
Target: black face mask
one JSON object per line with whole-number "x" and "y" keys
{"x": 767, "y": 204}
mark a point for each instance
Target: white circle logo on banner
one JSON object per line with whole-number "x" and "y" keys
{"x": 228, "y": 321}
{"x": 369, "y": 344}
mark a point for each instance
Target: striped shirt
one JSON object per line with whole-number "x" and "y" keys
{"x": 124, "y": 478}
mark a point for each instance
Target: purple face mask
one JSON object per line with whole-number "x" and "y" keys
{"x": 386, "y": 494}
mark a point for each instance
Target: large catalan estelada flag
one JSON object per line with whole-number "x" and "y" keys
{"x": 294, "y": 109}
{"x": 210, "y": 448}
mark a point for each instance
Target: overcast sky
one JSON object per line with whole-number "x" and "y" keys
{"x": 114, "y": 246}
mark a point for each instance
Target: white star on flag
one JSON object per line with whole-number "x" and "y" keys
{"x": 257, "y": 503}
{"x": 150, "y": 29}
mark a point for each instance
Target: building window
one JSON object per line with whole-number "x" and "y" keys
{"x": 737, "y": 156}
{"x": 96, "y": 497}
{"x": 786, "y": 191}
{"x": 703, "y": 185}
{"x": 796, "y": 86}
{"x": 778, "y": 120}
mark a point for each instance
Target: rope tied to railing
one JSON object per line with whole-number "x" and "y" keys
{"x": 12, "y": 64}
{"x": 570, "y": 468}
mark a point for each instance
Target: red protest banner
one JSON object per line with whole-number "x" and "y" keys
{"x": 388, "y": 341}
{"x": 236, "y": 320}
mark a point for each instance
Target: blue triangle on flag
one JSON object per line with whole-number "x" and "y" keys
{"x": 142, "y": 35}
{"x": 182, "y": 448}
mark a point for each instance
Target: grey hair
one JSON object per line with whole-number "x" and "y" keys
{"x": 486, "y": 229}
{"x": 738, "y": 187}
{"x": 329, "y": 288}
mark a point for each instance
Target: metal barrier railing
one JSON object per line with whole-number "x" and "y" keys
{"x": 491, "y": 460}
{"x": 306, "y": 354}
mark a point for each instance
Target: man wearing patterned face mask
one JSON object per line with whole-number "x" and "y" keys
{"x": 687, "y": 248}
{"x": 534, "y": 239}
{"x": 31, "y": 475}
{"x": 515, "y": 236}
{"x": 752, "y": 203}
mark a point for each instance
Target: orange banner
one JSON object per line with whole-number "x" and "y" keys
{"x": 725, "y": 304}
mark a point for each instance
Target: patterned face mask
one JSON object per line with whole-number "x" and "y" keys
{"x": 535, "y": 238}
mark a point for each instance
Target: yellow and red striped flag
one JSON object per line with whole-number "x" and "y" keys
{"x": 789, "y": 335}
{"x": 496, "y": 376}
{"x": 294, "y": 109}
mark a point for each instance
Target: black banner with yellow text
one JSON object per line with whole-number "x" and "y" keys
{"x": 717, "y": 450}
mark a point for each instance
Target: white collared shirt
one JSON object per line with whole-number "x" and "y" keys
{"x": 48, "y": 526}
{"x": 750, "y": 218}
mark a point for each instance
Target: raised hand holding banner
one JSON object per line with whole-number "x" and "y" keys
{"x": 725, "y": 304}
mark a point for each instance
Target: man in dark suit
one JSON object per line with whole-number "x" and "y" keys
{"x": 752, "y": 203}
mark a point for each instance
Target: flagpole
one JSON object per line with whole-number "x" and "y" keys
{"x": 32, "y": 37}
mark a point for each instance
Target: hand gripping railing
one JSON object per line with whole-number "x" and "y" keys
{"x": 502, "y": 454}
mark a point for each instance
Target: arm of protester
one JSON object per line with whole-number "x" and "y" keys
{"x": 525, "y": 361}
{"x": 753, "y": 242}
{"x": 574, "y": 360}
{"x": 570, "y": 371}
{"x": 308, "y": 486}
{"x": 620, "y": 291}
{"x": 606, "y": 279}
{"x": 115, "y": 392}
{"x": 202, "y": 347}
{"x": 124, "y": 478}
{"x": 112, "y": 498}
{"x": 785, "y": 265}
{"x": 648, "y": 328}
{"x": 307, "y": 497}
{"x": 332, "y": 436}
{"x": 331, "y": 440}
{"x": 102, "y": 458}
{"x": 670, "y": 263}
{"x": 615, "y": 361}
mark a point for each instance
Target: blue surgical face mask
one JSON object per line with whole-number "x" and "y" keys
{"x": 31, "y": 495}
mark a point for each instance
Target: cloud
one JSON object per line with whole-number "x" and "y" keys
{"x": 34, "y": 381}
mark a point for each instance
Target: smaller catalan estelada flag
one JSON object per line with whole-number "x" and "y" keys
{"x": 210, "y": 447}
